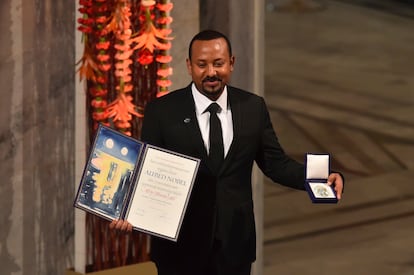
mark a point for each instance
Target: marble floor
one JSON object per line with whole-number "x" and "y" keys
{"x": 339, "y": 79}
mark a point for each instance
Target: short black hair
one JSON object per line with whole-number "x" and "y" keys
{"x": 209, "y": 35}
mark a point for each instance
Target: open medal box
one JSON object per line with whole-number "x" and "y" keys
{"x": 317, "y": 169}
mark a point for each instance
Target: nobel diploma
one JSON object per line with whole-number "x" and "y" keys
{"x": 144, "y": 184}
{"x": 162, "y": 191}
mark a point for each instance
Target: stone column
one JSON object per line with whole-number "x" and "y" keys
{"x": 185, "y": 26}
{"x": 81, "y": 134}
{"x": 36, "y": 136}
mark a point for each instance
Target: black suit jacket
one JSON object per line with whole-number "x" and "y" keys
{"x": 220, "y": 207}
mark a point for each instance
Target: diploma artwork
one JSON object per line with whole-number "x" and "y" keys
{"x": 144, "y": 184}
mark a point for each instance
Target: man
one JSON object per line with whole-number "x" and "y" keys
{"x": 218, "y": 231}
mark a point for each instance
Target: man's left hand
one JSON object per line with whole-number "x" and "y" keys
{"x": 335, "y": 180}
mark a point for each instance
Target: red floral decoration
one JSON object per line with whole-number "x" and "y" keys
{"x": 125, "y": 64}
{"x": 124, "y": 69}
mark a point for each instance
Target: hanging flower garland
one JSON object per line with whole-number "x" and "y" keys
{"x": 125, "y": 64}
{"x": 108, "y": 59}
{"x": 151, "y": 39}
{"x": 99, "y": 89}
{"x": 95, "y": 62}
{"x": 163, "y": 58}
{"x": 122, "y": 108}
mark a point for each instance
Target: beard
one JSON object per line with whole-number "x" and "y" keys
{"x": 212, "y": 92}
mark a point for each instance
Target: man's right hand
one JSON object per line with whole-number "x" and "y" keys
{"x": 121, "y": 226}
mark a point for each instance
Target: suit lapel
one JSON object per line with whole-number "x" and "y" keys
{"x": 190, "y": 120}
{"x": 236, "y": 113}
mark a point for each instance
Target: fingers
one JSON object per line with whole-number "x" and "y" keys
{"x": 335, "y": 179}
{"x": 125, "y": 227}
{"x": 338, "y": 192}
{"x": 121, "y": 226}
{"x": 129, "y": 228}
{"x": 113, "y": 224}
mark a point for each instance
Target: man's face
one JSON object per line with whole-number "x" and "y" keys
{"x": 210, "y": 66}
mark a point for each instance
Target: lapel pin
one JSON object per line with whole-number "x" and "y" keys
{"x": 187, "y": 120}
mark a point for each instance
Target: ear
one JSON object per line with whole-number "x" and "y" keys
{"x": 188, "y": 62}
{"x": 232, "y": 60}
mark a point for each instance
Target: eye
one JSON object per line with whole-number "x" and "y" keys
{"x": 219, "y": 64}
{"x": 201, "y": 65}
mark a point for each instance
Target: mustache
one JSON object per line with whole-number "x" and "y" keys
{"x": 214, "y": 78}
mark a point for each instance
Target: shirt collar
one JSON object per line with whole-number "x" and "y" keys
{"x": 202, "y": 102}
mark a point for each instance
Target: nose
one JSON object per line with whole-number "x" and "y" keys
{"x": 211, "y": 70}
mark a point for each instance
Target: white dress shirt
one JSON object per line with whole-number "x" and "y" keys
{"x": 203, "y": 117}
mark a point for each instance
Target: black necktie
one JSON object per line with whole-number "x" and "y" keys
{"x": 216, "y": 154}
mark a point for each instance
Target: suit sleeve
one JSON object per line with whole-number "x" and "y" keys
{"x": 151, "y": 128}
{"x": 272, "y": 159}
